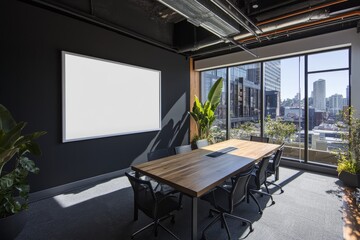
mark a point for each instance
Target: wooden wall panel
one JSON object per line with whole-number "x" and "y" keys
{"x": 194, "y": 90}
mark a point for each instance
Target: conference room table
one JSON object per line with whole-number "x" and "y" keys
{"x": 197, "y": 172}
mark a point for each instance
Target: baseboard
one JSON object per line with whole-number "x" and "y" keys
{"x": 51, "y": 192}
{"x": 318, "y": 168}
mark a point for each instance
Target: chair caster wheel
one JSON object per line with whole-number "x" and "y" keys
{"x": 251, "y": 229}
{"x": 260, "y": 212}
{"x": 282, "y": 191}
{"x": 273, "y": 202}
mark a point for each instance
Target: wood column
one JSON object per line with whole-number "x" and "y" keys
{"x": 194, "y": 90}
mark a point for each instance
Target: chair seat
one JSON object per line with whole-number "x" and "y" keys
{"x": 218, "y": 198}
{"x": 166, "y": 205}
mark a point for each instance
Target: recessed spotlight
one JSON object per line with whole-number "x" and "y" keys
{"x": 255, "y": 6}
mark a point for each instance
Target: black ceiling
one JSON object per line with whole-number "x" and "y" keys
{"x": 153, "y": 22}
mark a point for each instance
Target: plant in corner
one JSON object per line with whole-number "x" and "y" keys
{"x": 204, "y": 113}
{"x": 14, "y": 168}
{"x": 349, "y": 157}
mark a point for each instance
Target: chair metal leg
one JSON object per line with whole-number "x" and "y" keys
{"x": 275, "y": 184}
{"x": 277, "y": 174}
{"x": 180, "y": 201}
{"x": 266, "y": 187}
{"x": 142, "y": 229}
{"x": 256, "y": 201}
{"x": 167, "y": 230}
{"x": 241, "y": 219}
{"x": 264, "y": 193}
{"x": 209, "y": 225}
{"x": 226, "y": 226}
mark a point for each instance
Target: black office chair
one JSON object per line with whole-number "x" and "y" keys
{"x": 259, "y": 139}
{"x": 258, "y": 178}
{"x": 202, "y": 143}
{"x": 225, "y": 198}
{"x": 183, "y": 149}
{"x": 153, "y": 204}
{"x": 165, "y": 189}
{"x": 273, "y": 167}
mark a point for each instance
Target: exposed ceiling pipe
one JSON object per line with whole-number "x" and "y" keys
{"x": 287, "y": 20}
{"x": 305, "y": 25}
{"x": 319, "y": 14}
{"x": 265, "y": 14}
{"x": 235, "y": 15}
{"x": 301, "y": 12}
{"x": 200, "y": 45}
{"x": 254, "y": 40}
{"x": 199, "y": 15}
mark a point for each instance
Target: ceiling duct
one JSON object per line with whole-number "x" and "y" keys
{"x": 199, "y": 15}
{"x": 229, "y": 8}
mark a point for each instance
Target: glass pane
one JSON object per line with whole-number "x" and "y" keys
{"x": 208, "y": 78}
{"x": 328, "y": 96}
{"x": 284, "y": 104}
{"x": 245, "y": 90}
{"x": 328, "y": 60}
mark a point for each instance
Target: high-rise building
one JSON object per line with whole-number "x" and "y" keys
{"x": 272, "y": 72}
{"x": 319, "y": 95}
{"x": 336, "y": 104}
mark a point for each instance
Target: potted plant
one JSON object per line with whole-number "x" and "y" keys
{"x": 349, "y": 158}
{"x": 204, "y": 113}
{"x": 14, "y": 168}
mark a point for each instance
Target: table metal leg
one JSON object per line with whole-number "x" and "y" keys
{"x": 194, "y": 223}
{"x": 136, "y": 212}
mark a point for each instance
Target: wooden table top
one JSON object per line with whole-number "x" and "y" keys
{"x": 194, "y": 173}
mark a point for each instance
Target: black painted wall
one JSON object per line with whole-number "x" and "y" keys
{"x": 30, "y": 72}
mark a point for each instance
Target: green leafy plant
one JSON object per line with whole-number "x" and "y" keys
{"x": 349, "y": 157}
{"x": 204, "y": 113}
{"x": 14, "y": 149}
{"x": 278, "y": 131}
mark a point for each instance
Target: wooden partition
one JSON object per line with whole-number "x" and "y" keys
{"x": 194, "y": 90}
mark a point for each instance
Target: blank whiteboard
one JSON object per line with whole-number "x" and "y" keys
{"x": 103, "y": 98}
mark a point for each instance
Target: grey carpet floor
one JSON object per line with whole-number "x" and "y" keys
{"x": 309, "y": 209}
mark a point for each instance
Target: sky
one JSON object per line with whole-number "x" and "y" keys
{"x": 292, "y": 69}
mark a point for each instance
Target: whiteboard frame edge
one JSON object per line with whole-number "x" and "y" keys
{"x": 66, "y": 140}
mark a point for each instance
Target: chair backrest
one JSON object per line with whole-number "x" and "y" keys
{"x": 259, "y": 139}
{"x": 160, "y": 153}
{"x": 261, "y": 171}
{"x": 277, "y": 158}
{"x": 202, "y": 143}
{"x": 183, "y": 149}
{"x": 144, "y": 195}
{"x": 239, "y": 187}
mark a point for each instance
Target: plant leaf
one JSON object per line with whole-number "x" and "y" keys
{"x": 214, "y": 95}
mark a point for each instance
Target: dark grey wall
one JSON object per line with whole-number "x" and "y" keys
{"x": 30, "y": 71}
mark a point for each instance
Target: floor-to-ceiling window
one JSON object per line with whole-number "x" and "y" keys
{"x": 284, "y": 104}
{"x": 328, "y": 96}
{"x": 296, "y": 100}
{"x": 208, "y": 78}
{"x": 245, "y": 93}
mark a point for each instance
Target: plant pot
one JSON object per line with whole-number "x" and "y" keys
{"x": 11, "y": 226}
{"x": 349, "y": 179}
